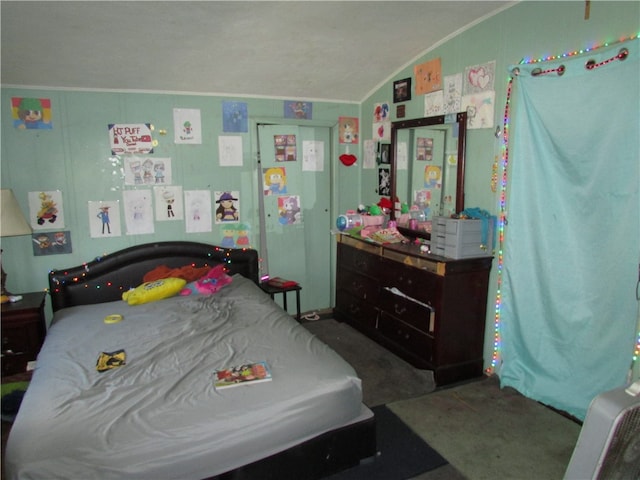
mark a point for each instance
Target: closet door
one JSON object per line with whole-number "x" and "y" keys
{"x": 295, "y": 172}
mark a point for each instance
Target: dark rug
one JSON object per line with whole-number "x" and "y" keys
{"x": 401, "y": 453}
{"x": 385, "y": 377}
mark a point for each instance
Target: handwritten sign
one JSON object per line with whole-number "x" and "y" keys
{"x": 130, "y": 138}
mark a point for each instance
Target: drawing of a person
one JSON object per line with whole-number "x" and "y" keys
{"x": 147, "y": 168}
{"x": 136, "y": 169}
{"x": 103, "y": 215}
{"x": 432, "y": 176}
{"x": 169, "y": 197}
{"x": 226, "y": 211}
{"x": 158, "y": 169}
{"x": 290, "y": 213}
{"x": 276, "y": 181}
{"x": 227, "y": 237}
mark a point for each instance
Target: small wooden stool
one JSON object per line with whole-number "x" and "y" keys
{"x": 271, "y": 290}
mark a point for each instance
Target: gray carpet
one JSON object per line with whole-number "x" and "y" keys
{"x": 385, "y": 377}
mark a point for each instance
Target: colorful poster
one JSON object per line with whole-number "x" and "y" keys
{"x": 235, "y": 117}
{"x": 168, "y": 201}
{"x": 285, "y": 148}
{"x": 424, "y": 149}
{"x": 31, "y": 113}
{"x": 349, "y": 130}
{"x": 299, "y": 110}
{"x": 197, "y": 206}
{"x": 275, "y": 180}
{"x": 289, "y": 210}
{"x": 228, "y": 209}
{"x": 51, "y": 243}
{"x": 104, "y": 219}
{"x": 187, "y": 126}
{"x": 432, "y": 176}
{"x": 428, "y": 76}
{"x": 480, "y": 108}
{"x": 130, "y": 138}
{"x": 45, "y": 210}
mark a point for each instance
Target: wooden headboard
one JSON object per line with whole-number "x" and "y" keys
{"x": 104, "y": 279}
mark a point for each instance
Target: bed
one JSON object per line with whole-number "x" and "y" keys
{"x": 158, "y": 415}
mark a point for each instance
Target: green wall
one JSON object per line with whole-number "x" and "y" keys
{"x": 527, "y": 30}
{"x": 74, "y": 157}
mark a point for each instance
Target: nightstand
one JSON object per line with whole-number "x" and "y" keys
{"x": 271, "y": 290}
{"x": 23, "y": 331}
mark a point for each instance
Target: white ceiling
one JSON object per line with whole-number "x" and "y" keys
{"x": 314, "y": 50}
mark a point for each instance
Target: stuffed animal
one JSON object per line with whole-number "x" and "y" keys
{"x": 210, "y": 283}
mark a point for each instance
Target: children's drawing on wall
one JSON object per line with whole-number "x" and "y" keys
{"x": 428, "y": 76}
{"x": 384, "y": 181}
{"x": 381, "y": 127}
{"x": 242, "y": 235}
{"x": 197, "y": 211}
{"x": 187, "y": 126}
{"x": 230, "y": 151}
{"x": 235, "y": 117}
{"x": 146, "y": 171}
{"x": 228, "y": 206}
{"x": 228, "y": 235}
{"x": 349, "y": 130}
{"x": 370, "y": 153}
{"x": 299, "y": 110}
{"x": 424, "y": 149}
{"x": 452, "y": 93}
{"x": 104, "y": 219}
{"x": 432, "y": 176}
{"x": 31, "y": 113}
{"x": 51, "y": 243}
{"x": 422, "y": 202}
{"x": 433, "y": 103}
{"x": 312, "y": 156}
{"x": 285, "y": 148}
{"x": 479, "y": 108}
{"x": 45, "y": 210}
{"x": 168, "y": 201}
{"x": 479, "y": 78}
{"x": 275, "y": 180}
{"x": 138, "y": 211}
{"x": 130, "y": 138}
{"x": 289, "y": 210}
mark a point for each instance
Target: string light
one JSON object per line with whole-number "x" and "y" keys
{"x": 496, "y": 357}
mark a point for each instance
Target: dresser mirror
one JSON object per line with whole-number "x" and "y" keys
{"x": 427, "y": 169}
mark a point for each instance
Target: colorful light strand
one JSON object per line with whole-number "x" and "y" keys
{"x": 502, "y": 217}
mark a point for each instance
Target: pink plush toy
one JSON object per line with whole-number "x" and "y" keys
{"x": 210, "y": 283}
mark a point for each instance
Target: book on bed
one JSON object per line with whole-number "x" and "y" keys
{"x": 244, "y": 374}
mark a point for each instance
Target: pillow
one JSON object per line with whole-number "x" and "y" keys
{"x": 187, "y": 272}
{"x": 152, "y": 291}
{"x": 209, "y": 284}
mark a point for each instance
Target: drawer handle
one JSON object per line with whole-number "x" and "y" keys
{"x": 399, "y": 310}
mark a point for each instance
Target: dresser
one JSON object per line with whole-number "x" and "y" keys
{"x": 427, "y": 309}
{"x": 23, "y": 332}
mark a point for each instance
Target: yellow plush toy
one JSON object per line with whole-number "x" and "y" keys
{"x": 152, "y": 291}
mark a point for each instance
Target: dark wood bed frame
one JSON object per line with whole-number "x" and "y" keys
{"x": 104, "y": 279}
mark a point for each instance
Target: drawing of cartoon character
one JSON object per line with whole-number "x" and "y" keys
{"x": 226, "y": 211}
{"x": 158, "y": 168}
{"x": 48, "y": 209}
{"x": 147, "y": 168}
{"x": 227, "y": 237}
{"x": 137, "y": 209}
{"x": 290, "y": 212}
{"x": 103, "y": 215}
{"x": 276, "y": 181}
{"x": 136, "y": 169}
{"x": 169, "y": 197}
{"x": 432, "y": 175}
{"x": 30, "y": 113}
{"x": 243, "y": 237}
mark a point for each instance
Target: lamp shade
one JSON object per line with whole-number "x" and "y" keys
{"x": 12, "y": 221}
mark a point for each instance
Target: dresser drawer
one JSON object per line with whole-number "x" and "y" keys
{"x": 408, "y": 338}
{"x": 359, "y": 260}
{"x": 419, "y": 316}
{"x": 356, "y": 310}
{"x": 357, "y": 285}
{"x": 423, "y": 286}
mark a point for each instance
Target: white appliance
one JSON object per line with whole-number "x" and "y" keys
{"x": 608, "y": 447}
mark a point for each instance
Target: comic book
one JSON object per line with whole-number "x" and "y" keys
{"x": 247, "y": 373}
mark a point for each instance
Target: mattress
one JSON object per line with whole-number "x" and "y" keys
{"x": 159, "y": 415}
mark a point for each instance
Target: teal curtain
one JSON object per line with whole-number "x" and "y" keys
{"x": 572, "y": 239}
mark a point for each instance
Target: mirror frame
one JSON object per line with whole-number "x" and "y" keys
{"x": 461, "y": 119}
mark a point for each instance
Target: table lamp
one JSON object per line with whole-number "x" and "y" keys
{"x": 12, "y": 224}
